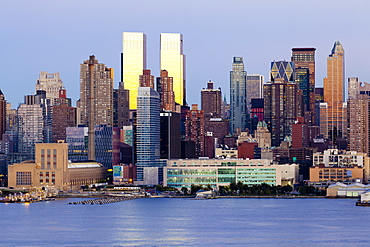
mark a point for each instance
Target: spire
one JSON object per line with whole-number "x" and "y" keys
{"x": 337, "y": 48}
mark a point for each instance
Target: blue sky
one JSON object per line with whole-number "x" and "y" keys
{"x": 56, "y": 36}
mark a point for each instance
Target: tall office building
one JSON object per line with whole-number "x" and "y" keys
{"x": 133, "y": 62}
{"x": 281, "y": 108}
{"x": 2, "y": 114}
{"x": 211, "y": 101}
{"x": 254, "y": 89}
{"x": 282, "y": 70}
{"x": 304, "y": 58}
{"x": 49, "y": 82}
{"x": 238, "y": 96}
{"x": 332, "y": 112}
{"x": 173, "y": 60}
{"x": 147, "y": 130}
{"x": 165, "y": 90}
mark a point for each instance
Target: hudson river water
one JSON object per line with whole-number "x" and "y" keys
{"x": 186, "y": 222}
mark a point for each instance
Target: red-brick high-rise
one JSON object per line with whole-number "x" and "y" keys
{"x": 195, "y": 129}
{"x": 165, "y": 90}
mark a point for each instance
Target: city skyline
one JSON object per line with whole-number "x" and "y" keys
{"x": 210, "y": 39}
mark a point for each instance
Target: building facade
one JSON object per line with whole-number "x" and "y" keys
{"x": 165, "y": 90}
{"x": 332, "y": 113}
{"x": 281, "y": 107}
{"x": 50, "y": 83}
{"x": 172, "y": 60}
{"x": 96, "y": 106}
{"x": 211, "y": 101}
{"x": 221, "y": 172}
{"x": 133, "y": 62}
{"x": 304, "y": 60}
{"x": 147, "y": 130}
{"x": 238, "y": 96}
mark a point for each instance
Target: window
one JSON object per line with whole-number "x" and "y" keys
{"x": 23, "y": 178}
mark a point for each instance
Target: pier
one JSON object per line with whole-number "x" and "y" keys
{"x": 106, "y": 200}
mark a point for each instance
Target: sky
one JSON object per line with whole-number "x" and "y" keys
{"x": 57, "y": 36}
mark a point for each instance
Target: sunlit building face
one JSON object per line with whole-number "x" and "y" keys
{"x": 133, "y": 62}
{"x": 173, "y": 61}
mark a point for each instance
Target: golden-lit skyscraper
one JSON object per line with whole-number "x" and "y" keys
{"x": 332, "y": 111}
{"x": 173, "y": 61}
{"x": 133, "y": 62}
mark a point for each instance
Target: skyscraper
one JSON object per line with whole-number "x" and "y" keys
{"x": 133, "y": 62}
{"x": 121, "y": 106}
{"x": 173, "y": 60}
{"x": 238, "y": 96}
{"x": 211, "y": 101}
{"x": 165, "y": 90}
{"x": 147, "y": 130}
{"x": 146, "y": 79}
{"x": 96, "y": 98}
{"x": 280, "y": 108}
{"x": 254, "y": 89}
{"x": 305, "y": 58}
{"x": 331, "y": 111}
{"x": 282, "y": 69}
{"x": 51, "y": 83}
{"x": 195, "y": 129}
{"x": 358, "y": 116}
{"x": 95, "y": 75}
{"x": 2, "y": 114}
{"x": 64, "y": 115}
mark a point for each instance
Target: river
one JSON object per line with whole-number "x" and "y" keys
{"x": 186, "y": 222}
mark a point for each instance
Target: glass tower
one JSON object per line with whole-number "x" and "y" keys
{"x": 173, "y": 60}
{"x": 147, "y": 130}
{"x": 332, "y": 110}
{"x": 133, "y": 62}
{"x": 238, "y": 96}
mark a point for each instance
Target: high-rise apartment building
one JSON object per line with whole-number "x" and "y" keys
{"x": 30, "y": 127}
{"x": 50, "y": 83}
{"x": 146, "y": 79}
{"x": 238, "y": 96}
{"x": 211, "y": 101}
{"x": 96, "y": 93}
{"x": 96, "y": 97}
{"x": 195, "y": 129}
{"x": 332, "y": 110}
{"x": 358, "y": 116}
{"x": 133, "y": 62}
{"x": 173, "y": 60}
{"x": 147, "y": 130}
{"x": 280, "y": 108}
{"x": 254, "y": 89}
{"x": 304, "y": 58}
{"x": 165, "y": 90}
{"x": 121, "y": 106}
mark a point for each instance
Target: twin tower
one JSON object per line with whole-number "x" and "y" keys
{"x": 133, "y": 62}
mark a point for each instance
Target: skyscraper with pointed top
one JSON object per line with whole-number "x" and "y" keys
{"x": 332, "y": 111}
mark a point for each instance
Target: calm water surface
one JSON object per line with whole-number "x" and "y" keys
{"x": 186, "y": 222}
